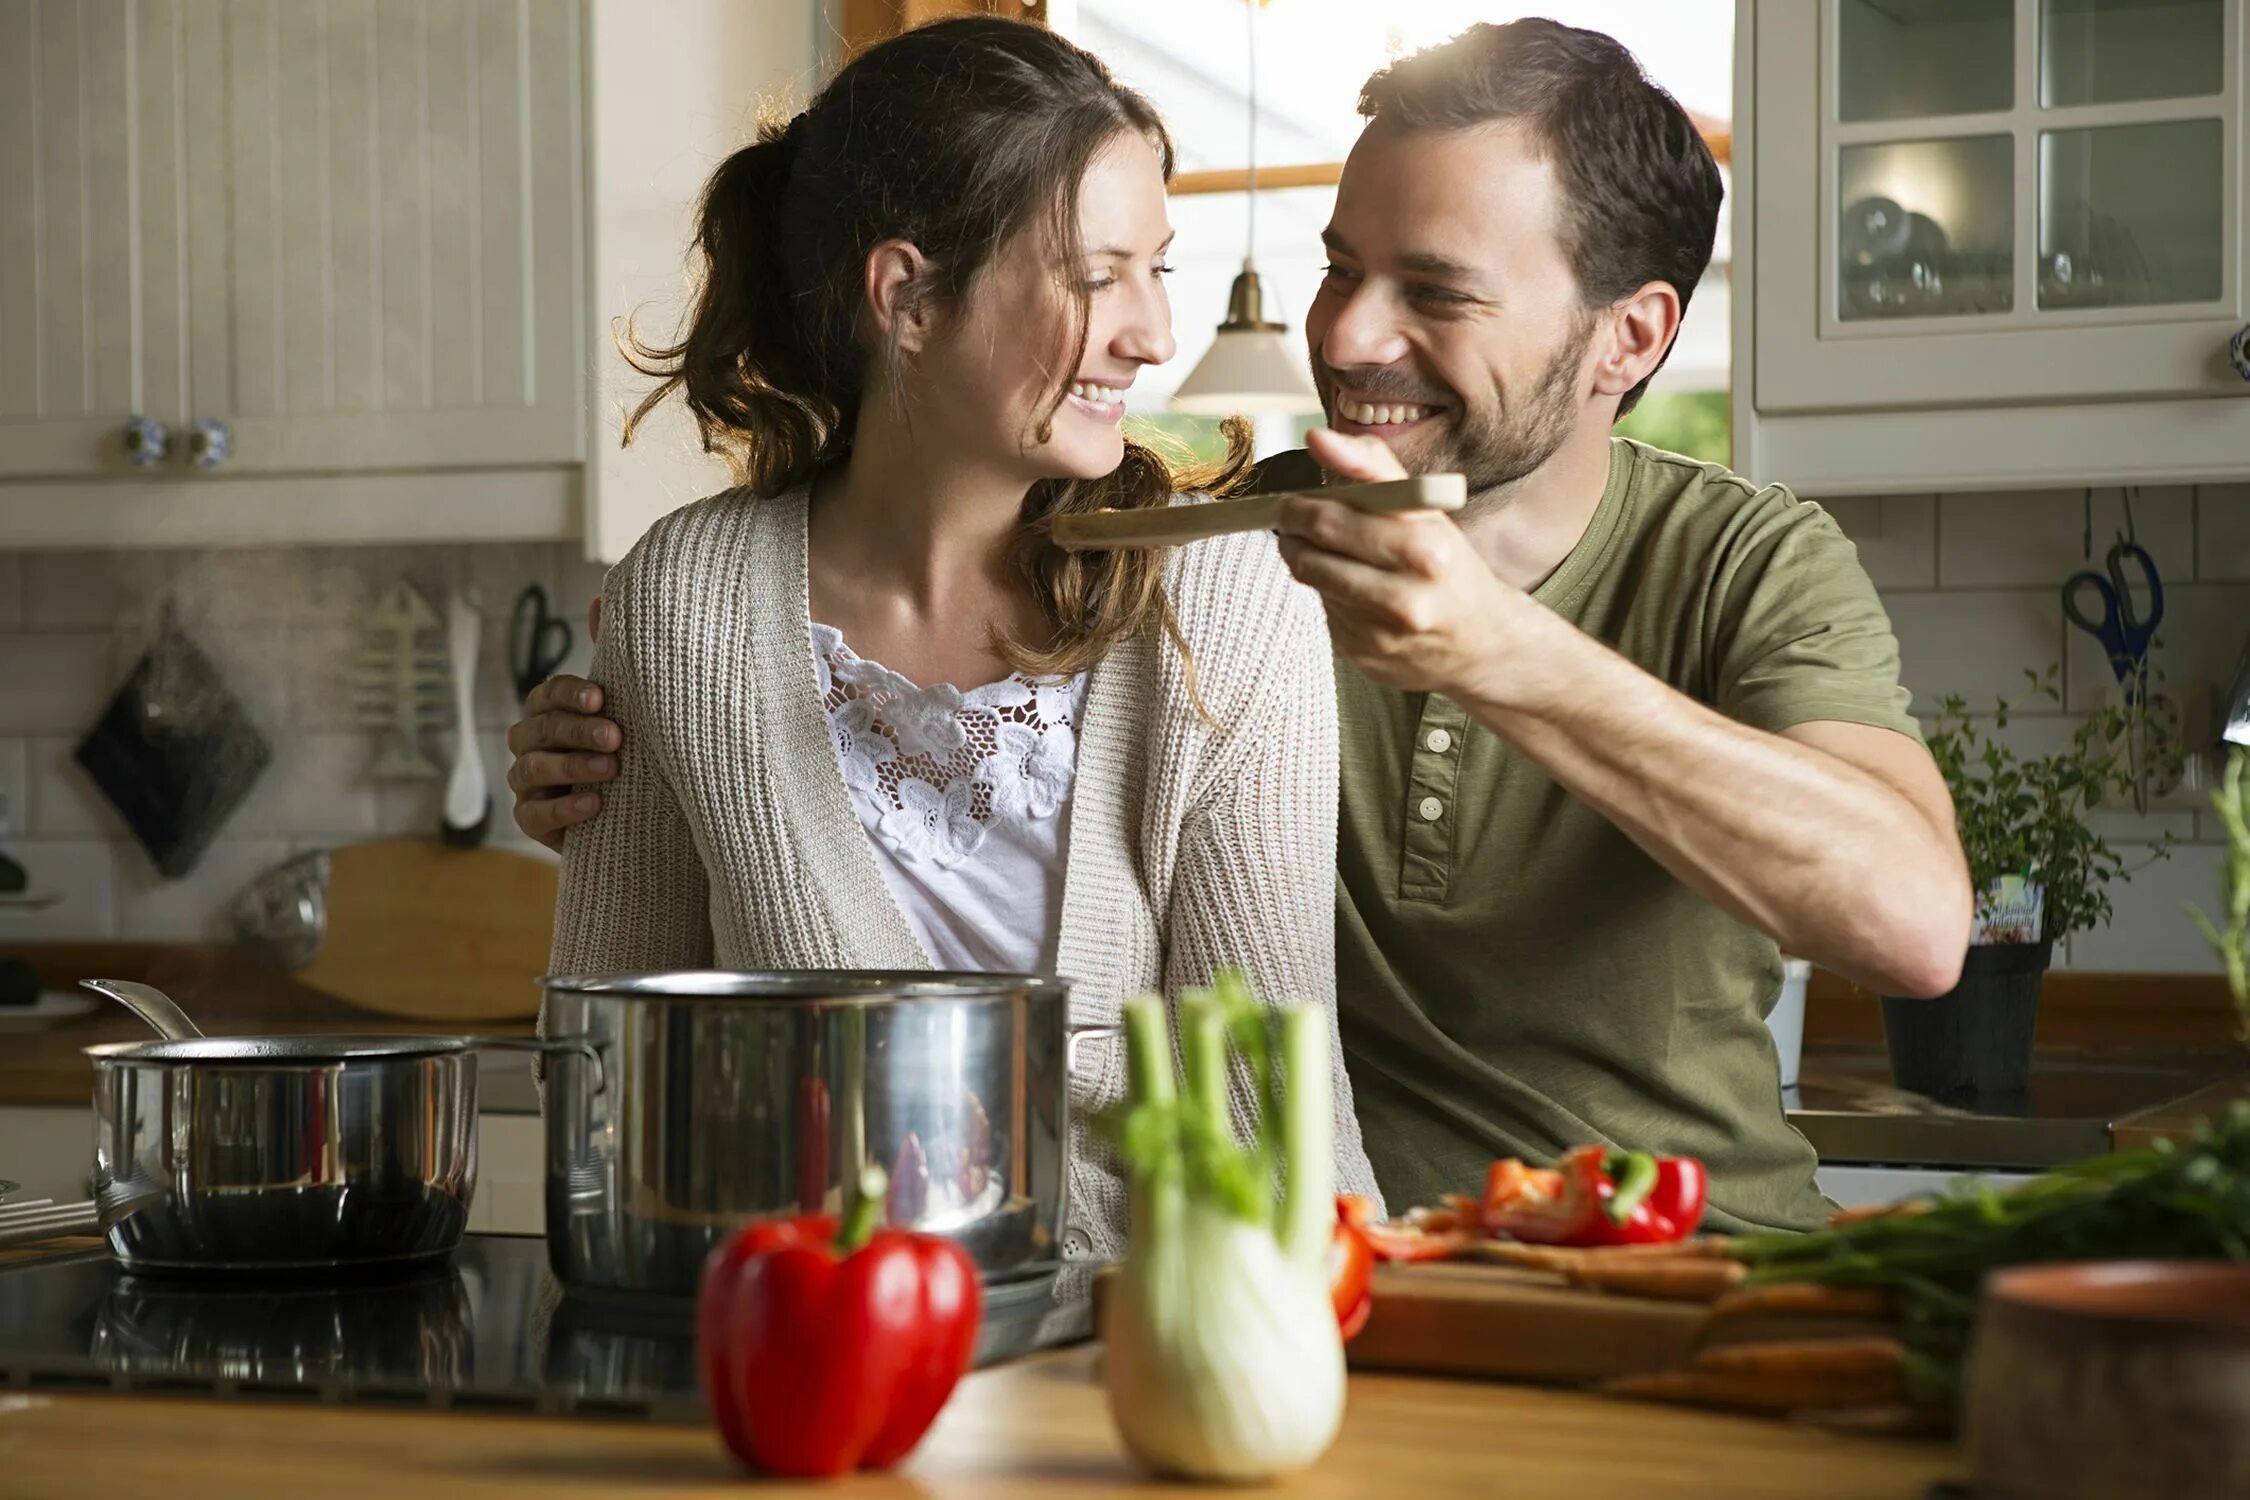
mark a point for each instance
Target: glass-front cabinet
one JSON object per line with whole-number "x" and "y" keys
{"x": 1993, "y": 204}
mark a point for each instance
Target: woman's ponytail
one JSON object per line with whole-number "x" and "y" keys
{"x": 749, "y": 365}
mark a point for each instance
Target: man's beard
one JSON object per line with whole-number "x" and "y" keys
{"x": 1499, "y": 445}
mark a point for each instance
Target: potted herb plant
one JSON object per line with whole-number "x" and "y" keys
{"x": 2041, "y": 873}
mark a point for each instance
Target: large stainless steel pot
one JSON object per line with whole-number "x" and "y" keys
{"x": 735, "y": 1095}
{"x": 293, "y": 1153}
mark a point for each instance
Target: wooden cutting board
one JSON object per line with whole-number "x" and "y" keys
{"x": 1497, "y": 1322}
{"x": 418, "y": 930}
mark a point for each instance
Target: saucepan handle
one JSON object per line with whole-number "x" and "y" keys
{"x": 1078, "y": 1036}
{"x": 542, "y": 1046}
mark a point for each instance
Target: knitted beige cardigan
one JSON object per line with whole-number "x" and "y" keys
{"x": 729, "y": 837}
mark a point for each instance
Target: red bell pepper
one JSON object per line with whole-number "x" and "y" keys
{"x": 1596, "y": 1196}
{"x": 1351, "y": 1267}
{"x": 823, "y": 1352}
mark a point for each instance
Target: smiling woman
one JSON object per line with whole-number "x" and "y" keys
{"x": 873, "y": 717}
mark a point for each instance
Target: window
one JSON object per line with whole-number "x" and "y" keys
{"x": 1189, "y": 57}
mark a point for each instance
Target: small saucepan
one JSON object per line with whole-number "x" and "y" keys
{"x": 285, "y": 1153}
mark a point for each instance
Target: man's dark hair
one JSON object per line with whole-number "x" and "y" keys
{"x": 1641, "y": 189}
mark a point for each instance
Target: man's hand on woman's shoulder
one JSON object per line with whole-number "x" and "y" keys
{"x": 559, "y": 745}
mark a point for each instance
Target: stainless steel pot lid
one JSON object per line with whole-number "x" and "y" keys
{"x": 781, "y": 986}
{"x": 278, "y": 1050}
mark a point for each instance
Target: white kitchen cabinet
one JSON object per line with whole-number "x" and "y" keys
{"x": 351, "y": 231}
{"x": 1990, "y": 243}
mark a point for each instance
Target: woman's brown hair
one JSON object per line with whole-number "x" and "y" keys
{"x": 955, "y": 137}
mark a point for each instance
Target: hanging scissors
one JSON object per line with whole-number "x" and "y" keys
{"x": 537, "y": 641}
{"x": 2121, "y": 627}
{"x": 2125, "y": 633}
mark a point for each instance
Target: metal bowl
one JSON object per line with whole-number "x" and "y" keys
{"x": 734, "y": 1095}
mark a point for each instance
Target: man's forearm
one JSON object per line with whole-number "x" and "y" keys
{"x": 1830, "y": 860}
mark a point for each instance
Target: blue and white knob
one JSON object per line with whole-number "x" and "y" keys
{"x": 146, "y": 442}
{"x": 209, "y": 443}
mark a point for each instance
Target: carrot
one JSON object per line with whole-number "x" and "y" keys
{"x": 1704, "y": 1247}
{"x": 1844, "y": 1217}
{"x": 1687, "y": 1280}
{"x": 1808, "y": 1358}
{"x": 1530, "y": 1257}
{"x": 1805, "y": 1299}
{"x": 1800, "y": 1381}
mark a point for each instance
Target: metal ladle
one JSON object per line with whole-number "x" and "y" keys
{"x": 150, "y": 1004}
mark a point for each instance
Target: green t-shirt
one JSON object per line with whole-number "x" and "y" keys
{"x": 1515, "y": 975}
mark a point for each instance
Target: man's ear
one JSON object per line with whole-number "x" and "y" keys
{"x": 1640, "y": 328}
{"x": 897, "y": 285}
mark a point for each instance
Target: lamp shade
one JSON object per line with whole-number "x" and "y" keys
{"x": 1251, "y": 367}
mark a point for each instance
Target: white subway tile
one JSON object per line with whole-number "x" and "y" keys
{"x": 2039, "y": 536}
{"x": 55, "y": 684}
{"x": 2198, "y": 643}
{"x": 90, "y": 590}
{"x": 192, "y": 909}
{"x": 321, "y": 663}
{"x": 15, "y": 791}
{"x": 2222, "y": 523}
{"x": 65, "y": 803}
{"x": 1977, "y": 643}
{"x": 316, "y": 784}
{"x": 2151, "y": 931}
{"x": 11, "y": 591}
{"x": 81, "y": 874}
{"x": 1896, "y": 536}
{"x": 579, "y": 586}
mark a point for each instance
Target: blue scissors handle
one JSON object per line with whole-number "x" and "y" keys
{"x": 2123, "y": 630}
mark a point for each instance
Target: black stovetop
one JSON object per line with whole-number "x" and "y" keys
{"x": 489, "y": 1330}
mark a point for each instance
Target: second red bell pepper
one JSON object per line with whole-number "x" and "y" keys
{"x": 823, "y": 1352}
{"x": 1597, "y": 1196}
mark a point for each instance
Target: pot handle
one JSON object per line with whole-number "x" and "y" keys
{"x": 1077, "y": 1035}
{"x": 541, "y": 1046}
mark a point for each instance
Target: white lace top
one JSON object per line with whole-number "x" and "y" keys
{"x": 966, "y": 799}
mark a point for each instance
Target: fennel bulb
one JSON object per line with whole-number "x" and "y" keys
{"x": 1223, "y": 1357}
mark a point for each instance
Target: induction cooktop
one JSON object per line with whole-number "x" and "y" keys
{"x": 489, "y": 1330}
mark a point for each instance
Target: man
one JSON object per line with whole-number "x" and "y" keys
{"x": 1617, "y": 734}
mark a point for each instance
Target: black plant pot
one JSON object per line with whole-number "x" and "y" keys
{"x": 1972, "y": 1044}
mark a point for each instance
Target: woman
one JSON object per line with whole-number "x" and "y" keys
{"x": 923, "y": 302}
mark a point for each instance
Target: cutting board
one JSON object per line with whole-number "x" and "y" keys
{"x": 418, "y": 930}
{"x": 1498, "y": 1322}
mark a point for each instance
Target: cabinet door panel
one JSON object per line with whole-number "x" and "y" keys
{"x": 350, "y": 230}
{"x": 19, "y": 219}
{"x": 91, "y": 316}
{"x": 159, "y": 188}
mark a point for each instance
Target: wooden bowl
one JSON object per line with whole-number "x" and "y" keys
{"x": 2111, "y": 1380}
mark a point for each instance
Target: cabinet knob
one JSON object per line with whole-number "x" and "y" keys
{"x": 146, "y": 441}
{"x": 2238, "y": 351}
{"x": 209, "y": 443}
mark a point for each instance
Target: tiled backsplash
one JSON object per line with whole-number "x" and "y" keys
{"x": 1970, "y": 580}
{"x": 1972, "y": 583}
{"x": 283, "y": 626}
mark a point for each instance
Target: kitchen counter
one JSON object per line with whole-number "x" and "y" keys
{"x": 227, "y": 994}
{"x": 2082, "y": 1102}
{"x": 1036, "y": 1427}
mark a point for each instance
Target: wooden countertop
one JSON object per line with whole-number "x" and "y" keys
{"x": 1038, "y": 1427}
{"x": 226, "y": 992}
